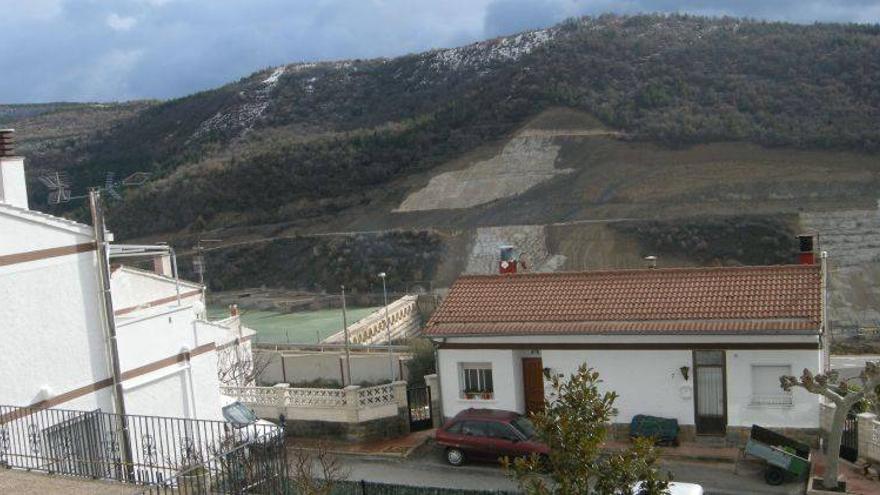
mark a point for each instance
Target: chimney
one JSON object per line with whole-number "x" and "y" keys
{"x": 807, "y": 244}
{"x": 651, "y": 261}
{"x": 162, "y": 265}
{"x": 13, "y": 189}
{"x": 507, "y": 263}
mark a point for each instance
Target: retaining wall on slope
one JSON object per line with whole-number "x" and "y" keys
{"x": 852, "y": 240}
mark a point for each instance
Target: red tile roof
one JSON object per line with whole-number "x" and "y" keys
{"x": 757, "y": 299}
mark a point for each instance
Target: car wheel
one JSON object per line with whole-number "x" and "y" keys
{"x": 454, "y": 456}
{"x": 774, "y": 476}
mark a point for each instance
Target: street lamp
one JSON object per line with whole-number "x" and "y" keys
{"x": 387, "y": 327}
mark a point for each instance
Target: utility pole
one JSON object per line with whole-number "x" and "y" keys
{"x": 199, "y": 263}
{"x": 387, "y": 328}
{"x": 109, "y": 318}
{"x": 345, "y": 331}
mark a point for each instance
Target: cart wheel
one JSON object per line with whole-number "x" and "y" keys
{"x": 774, "y": 476}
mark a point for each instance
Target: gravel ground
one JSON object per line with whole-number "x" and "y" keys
{"x": 25, "y": 483}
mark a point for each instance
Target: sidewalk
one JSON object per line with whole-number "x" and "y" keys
{"x": 399, "y": 447}
{"x": 686, "y": 451}
{"x": 14, "y": 481}
{"x": 856, "y": 481}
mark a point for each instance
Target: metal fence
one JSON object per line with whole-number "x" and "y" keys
{"x": 376, "y": 488}
{"x": 173, "y": 455}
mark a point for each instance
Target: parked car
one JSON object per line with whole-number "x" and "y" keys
{"x": 676, "y": 488}
{"x": 488, "y": 434}
{"x": 247, "y": 427}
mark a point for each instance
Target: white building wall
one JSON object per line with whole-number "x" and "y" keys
{"x": 804, "y": 411}
{"x": 20, "y": 235}
{"x": 140, "y": 287}
{"x": 153, "y": 334}
{"x": 50, "y": 320}
{"x": 648, "y": 382}
{"x": 186, "y": 390}
{"x": 506, "y": 378}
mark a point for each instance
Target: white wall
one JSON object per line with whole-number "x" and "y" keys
{"x": 51, "y": 326}
{"x": 132, "y": 288}
{"x": 21, "y": 236}
{"x": 804, "y": 412}
{"x": 648, "y": 382}
{"x": 186, "y": 390}
{"x": 506, "y": 378}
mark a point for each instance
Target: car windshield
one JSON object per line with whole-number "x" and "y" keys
{"x": 524, "y": 426}
{"x": 239, "y": 415}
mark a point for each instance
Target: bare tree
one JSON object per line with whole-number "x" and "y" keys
{"x": 316, "y": 471}
{"x": 238, "y": 366}
{"x": 844, "y": 398}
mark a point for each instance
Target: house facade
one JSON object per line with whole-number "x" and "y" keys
{"x": 705, "y": 346}
{"x": 55, "y": 327}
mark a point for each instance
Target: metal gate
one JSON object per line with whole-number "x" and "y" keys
{"x": 849, "y": 443}
{"x": 419, "y": 401}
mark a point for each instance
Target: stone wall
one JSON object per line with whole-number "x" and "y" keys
{"x": 852, "y": 240}
{"x": 530, "y": 240}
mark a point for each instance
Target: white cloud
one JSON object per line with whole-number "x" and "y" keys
{"x": 120, "y": 23}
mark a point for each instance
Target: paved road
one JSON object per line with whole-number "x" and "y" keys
{"x": 427, "y": 468}
{"x": 849, "y": 367}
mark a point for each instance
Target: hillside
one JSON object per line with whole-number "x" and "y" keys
{"x": 591, "y": 143}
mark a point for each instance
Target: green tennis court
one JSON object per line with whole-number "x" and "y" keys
{"x": 304, "y": 327}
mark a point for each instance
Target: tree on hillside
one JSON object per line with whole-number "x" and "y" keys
{"x": 844, "y": 398}
{"x": 574, "y": 424}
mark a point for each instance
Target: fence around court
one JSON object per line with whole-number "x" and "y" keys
{"x": 376, "y": 488}
{"x": 161, "y": 453}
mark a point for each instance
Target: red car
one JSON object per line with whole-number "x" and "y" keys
{"x": 488, "y": 434}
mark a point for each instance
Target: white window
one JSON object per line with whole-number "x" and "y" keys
{"x": 476, "y": 381}
{"x": 766, "y": 390}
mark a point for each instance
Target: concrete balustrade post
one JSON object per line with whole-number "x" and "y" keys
{"x": 351, "y": 403}
{"x": 280, "y": 397}
{"x": 433, "y": 383}
{"x": 866, "y": 432}
{"x": 399, "y": 390}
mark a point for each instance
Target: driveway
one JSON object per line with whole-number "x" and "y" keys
{"x": 426, "y": 467}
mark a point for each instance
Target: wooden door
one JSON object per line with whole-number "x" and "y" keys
{"x": 710, "y": 392}
{"x": 533, "y": 384}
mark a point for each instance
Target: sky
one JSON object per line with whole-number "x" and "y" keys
{"x": 114, "y": 50}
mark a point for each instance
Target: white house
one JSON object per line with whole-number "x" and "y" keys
{"x": 702, "y": 345}
{"x": 54, "y": 325}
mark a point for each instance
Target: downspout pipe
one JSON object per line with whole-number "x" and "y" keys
{"x": 109, "y": 318}
{"x": 826, "y": 332}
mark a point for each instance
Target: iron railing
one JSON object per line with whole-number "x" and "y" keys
{"x": 165, "y": 454}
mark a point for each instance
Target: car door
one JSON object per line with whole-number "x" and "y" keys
{"x": 474, "y": 439}
{"x": 504, "y": 441}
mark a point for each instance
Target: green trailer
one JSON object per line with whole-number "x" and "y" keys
{"x": 785, "y": 458}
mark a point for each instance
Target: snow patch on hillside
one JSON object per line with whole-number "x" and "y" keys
{"x": 478, "y": 55}
{"x": 240, "y": 119}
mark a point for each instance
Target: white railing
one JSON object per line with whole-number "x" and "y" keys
{"x": 403, "y": 318}
{"x": 376, "y": 396}
{"x": 287, "y": 397}
{"x": 351, "y": 404}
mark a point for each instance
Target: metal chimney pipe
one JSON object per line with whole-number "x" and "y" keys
{"x": 7, "y": 148}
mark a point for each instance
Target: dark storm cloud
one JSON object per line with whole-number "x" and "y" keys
{"x": 122, "y": 49}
